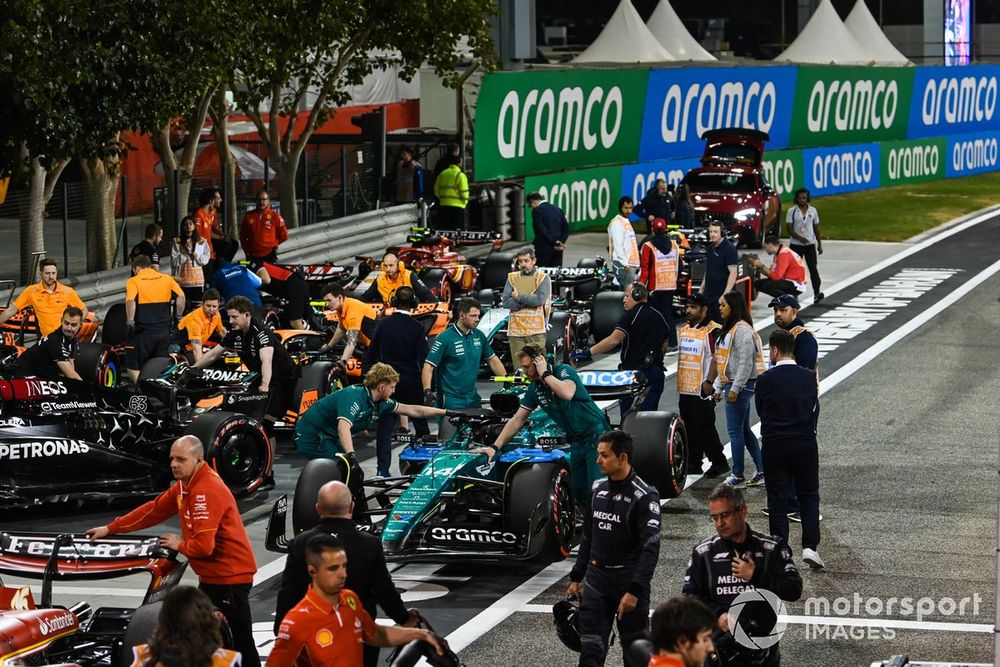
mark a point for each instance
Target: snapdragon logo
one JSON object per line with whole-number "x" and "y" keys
{"x": 958, "y": 100}
{"x": 913, "y": 161}
{"x": 582, "y": 200}
{"x": 974, "y": 154}
{"x": 835, "y": 170}
{"x": 558, "y": 121}
{"x": 732, "y": 104}
{"x": 852, "y": 105}
{"x": 780, "y": 174}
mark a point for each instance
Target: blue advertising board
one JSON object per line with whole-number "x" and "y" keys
{"x": 954, "y": 100}
{"x": 836, "y": 169}
{"x": 682, "y": 103}
{"x": 637, "y": 179}
{"x": 972, "y": 154}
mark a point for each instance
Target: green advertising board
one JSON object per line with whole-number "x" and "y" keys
{"x": 784, "y": 171}
{"x": 588, "y": 197}
{"x": 913, "y": 161}
{"x": 843, "y": 105}
{"x": 533, "y": 122}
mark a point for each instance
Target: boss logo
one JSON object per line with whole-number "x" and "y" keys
{"x": 472, "y": 536}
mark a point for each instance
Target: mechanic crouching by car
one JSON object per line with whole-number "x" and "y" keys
{"x": 618, "y": 554}
{"x": 288, "y": 285}
{"x": 787, "y": 274}
{"x": 355, "y": 320}
{"x": 391, "y": 276}
{"x": 151, "y": 301}
{"x": 198, "y": 326}
{"x": 562, "y": 396}
{"x": 53, "y": 356}
{"x": 735, "y": 560}
{"x": 528, "y": 295}
{"x": 212, "y": 537}
{"x": 260, "y": 350}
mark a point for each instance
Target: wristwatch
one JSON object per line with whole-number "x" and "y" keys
{"x": 546, "y": 374}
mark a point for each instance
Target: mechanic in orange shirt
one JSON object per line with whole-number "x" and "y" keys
{"x": 355, "y": 320}
{"x": 206, "y": 218}
{"x": 681, "y": 630}
{"x": 329, "y": 627}
{"x": 262, "y": 231}
{"x": 201, "y": 323}
{"x": 150, "y": 298}
{"x": 212, "y": 537}
{"x": 48, "y": 298}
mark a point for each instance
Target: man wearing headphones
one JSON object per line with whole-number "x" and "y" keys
{"x": 803, "y": 228}
{"x": 642, "y": 334}
{"x": 392, "y": 276}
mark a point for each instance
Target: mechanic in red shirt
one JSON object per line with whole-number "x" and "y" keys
{"x": 787, "y": 274}
{"x": 329, "y": 627}
{"x": 212, "y": 537}
{"x": 262, "y": 231}
{"x": 681, "y": 630}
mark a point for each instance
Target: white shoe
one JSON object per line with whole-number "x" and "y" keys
{"x": 812, "y": 559}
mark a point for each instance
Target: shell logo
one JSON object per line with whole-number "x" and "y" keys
{"x": 324, "y": 638}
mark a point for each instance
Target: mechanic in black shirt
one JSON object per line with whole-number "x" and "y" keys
{"x": 288, "y": 285}
{"x": 720, "y": 268}
{"x": 147, "y": 246}
{"x": 618, "y": 553}
{"x": 53, "y": 355}
{"x": 400, "y": 341}
{"x": 642, "y": 334}
{"x": 368, "y": 575}
{"x": 261, "y": 352}
{"x": 735, "y": 560}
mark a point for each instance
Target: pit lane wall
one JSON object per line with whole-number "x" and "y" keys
{"x": 584, "y": 137}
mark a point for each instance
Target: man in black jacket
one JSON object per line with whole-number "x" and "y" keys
{"x": 367, "y": 575}
{"x": 551, "y": 230}
{"x": 400, "y": 341}
{"x": 618, "y": 554}
{"x": 787, "y": 399}
{"x": 735, "y": 560}
{"x": 656, "y": 204}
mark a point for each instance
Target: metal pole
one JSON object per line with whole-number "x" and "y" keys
{"x": 343, "y": 178}
{"x": 65, "y": 228}
{"x": 305, "y": 186}
{"x": 125, "y": 220}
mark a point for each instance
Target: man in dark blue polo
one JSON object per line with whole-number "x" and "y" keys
{"x": 400, "y": 341}
{"x": 787, "y": 399}
{"x": 551, "y": 230}
{"x": 720, "y": 268}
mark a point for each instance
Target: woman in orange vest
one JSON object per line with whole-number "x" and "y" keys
{"x": 658, "y": 260}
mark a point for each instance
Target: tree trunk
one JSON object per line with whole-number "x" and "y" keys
{"x": 100, "y": 179}
{"x": 220, "y": 130}
{"x": 286, "y": 166}
{"x": 31, "y": 213}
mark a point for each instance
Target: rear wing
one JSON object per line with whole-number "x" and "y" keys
{"x": 601, "y": 385}
{"x": 66, "y": 557}
{"x": 460, "y": 237}
{"x": 569, "y": 276}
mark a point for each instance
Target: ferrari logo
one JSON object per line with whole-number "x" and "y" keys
{"x": 352, "y": 603}
{"x": 324, "y": 638}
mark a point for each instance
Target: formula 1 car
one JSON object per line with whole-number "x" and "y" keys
{"x": 451, "y": 503}
{"x": 65, "y": 440}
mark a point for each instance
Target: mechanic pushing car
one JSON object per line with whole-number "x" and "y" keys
{"x": 201, "y": 324}
{"x": 53, "y": 356}
{"x": 355, "y": 320}
{"x": 212, "y": 537}
{"x": 618, "y": 554}
{"x": 561, "y": 394}
{"x": 393, "y": 275}
{"x": 261, "y": 352}
{"x": 528, "y": 295}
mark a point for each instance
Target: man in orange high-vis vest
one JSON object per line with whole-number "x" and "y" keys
{"x": 622, "y": 247}
{"x": 528, "y": 296}
{"x": 695, "y": 351}
{"x": 658, "y": 262}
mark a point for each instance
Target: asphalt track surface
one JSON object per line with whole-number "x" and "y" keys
{"x": 908, "y": 437}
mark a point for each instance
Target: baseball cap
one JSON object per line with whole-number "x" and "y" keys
{"x": 659, "y": 225}
{"x": 697, "y": 299}
{"x": 784, "y": 301}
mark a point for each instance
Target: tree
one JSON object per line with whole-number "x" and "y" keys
{"x": 305, "y": 55}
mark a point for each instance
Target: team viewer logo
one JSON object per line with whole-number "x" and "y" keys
{"x": 754, "y": 619}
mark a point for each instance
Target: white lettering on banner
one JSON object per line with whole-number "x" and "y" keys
{"x": 780, "y": 174}
{"x": 857, "y": 105}
{"x": 643, "y": 183}
{"x": 735, "y": 104}
{"x": 13, "y": 451}
{"x": 913, "y": 161}
{"x": 557, "y": 125}
{"x": 581, "y": 200}
{"x": 839, "y": 169}
{"x": 873, "y": 305}
{"x": 974, "y": 154}
{"x": 962, "y": 100}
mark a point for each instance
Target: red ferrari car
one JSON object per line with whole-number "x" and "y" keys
{"x": 730, "y": 185}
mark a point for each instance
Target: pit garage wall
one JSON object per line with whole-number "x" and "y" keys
{"x": 585, "y": 137}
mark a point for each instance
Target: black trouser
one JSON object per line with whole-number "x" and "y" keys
{"x": 450, "y": 217}
{"x": 703, "y": 438}
{"x": 663, "y": 301}
{"x": 602, "y": 592}
{"x": 271, "y": 257}
{"x": 233, "y": 600}
{"x": 408, "y": 391}
{"x": 548, "y": 256}
{"x": 808, "y": 253}
{"x": 714, "y": 313}
{"x": 789, "y": 464}
{"x": 777, "y": 287}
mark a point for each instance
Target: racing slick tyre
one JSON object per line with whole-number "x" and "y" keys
{"x": 605, "y": 312}
{"x": 114, "y": 330}
{"x": 315, "y": 474}
{"x": 544, "y": 487}
{"x": 438, "y": 283}
{"x": 236, "y": 446}
{"x": 139, "y": 630}
{"x": 495, "y": 270}
{"x": 153, "y": 368}
{"x": 660, "y": 450}
{"x": 314, "y": 383}
{"x": 487, "y": 298}
{"x": 559, "y": 338}
{"x": 98, "y": 364}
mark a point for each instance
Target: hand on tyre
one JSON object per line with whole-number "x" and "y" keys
{"x": 430, "y": 398}
{"x": 355, "y": 474}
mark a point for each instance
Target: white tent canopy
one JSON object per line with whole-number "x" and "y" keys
{"x": 825, "y": 39}
{"x": 625, "y": 39}
{"x": 671, "y": 32}
{"x": 865, "y": 29}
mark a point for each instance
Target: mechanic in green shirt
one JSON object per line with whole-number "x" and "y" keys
{"x": 457, "y": 353}
{"x": 328, "y": 426}
{"x": 561, "y": 394}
